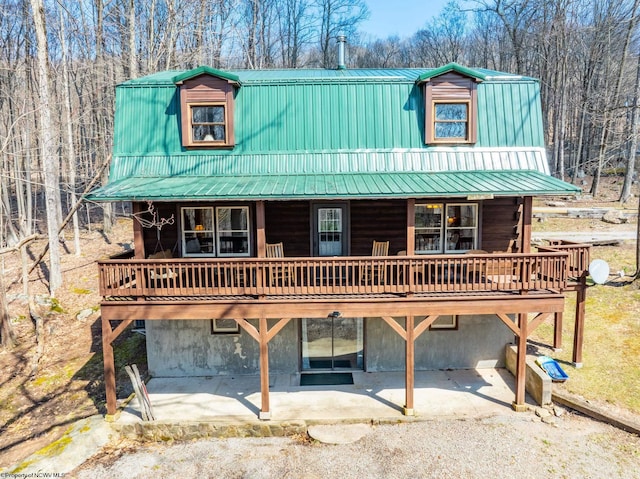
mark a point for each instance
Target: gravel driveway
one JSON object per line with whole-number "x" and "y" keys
{"x": 515, "y": 446}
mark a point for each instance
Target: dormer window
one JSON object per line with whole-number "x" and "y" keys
{"x": 206, "y": 108}
{"x": 451, "y": 121}
{"x": 450, "y": 106}
{"x": 208, "y": 124}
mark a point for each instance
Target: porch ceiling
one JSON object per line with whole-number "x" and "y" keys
{"x": 334, "y": 186}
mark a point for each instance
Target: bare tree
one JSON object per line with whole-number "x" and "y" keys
{"x": 516, "y": 17}
{"x": 634, "y": 123}
{"x": 337, "y": 17}
{"x": 131, "y": 30}
{"x": 442, "y": 40}
{"x": 295, "y": 28}
{"x": 48, "y": 147}
{"x": 67, "y": 119}
{"x": 609, "y": 112}
{"x": 389, "y": 53}
{"x": 7, "y": 338}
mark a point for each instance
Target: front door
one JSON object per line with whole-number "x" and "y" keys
{"x": 330, "y": 230}
{"x": 332, "y": 343}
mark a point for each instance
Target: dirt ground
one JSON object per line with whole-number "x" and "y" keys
{"x": 45, "y": 387}
{"x": 40, "y": 398}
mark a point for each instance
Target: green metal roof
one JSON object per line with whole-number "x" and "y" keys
{"x": 205, "y": 70}
{"x": 333, "y": 186}
{"x": 310, "y": 75}
{"x": 331, "y": 162}
{"x": 451, "y": 67}
{"x": 328, "y": 134}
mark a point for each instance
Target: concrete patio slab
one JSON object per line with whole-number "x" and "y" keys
{"x": 373, "y": 397}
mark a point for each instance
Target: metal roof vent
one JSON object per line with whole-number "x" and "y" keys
{"x": 342, "y": 40}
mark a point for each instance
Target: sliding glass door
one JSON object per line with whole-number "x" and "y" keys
{"x": 330, "y": 344}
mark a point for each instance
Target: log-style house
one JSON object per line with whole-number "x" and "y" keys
{"x": 301, "y": 221}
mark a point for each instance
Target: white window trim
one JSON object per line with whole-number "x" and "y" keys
{"x": 445, "y": 228}
{"x": 184, "y": 231}
{"x": 224, "y": 330}
{"x": 448, "y": 228}
{"x": 445, "y": 322}
{"x": 432, "y": 229}
{"x": 248, "y": 231}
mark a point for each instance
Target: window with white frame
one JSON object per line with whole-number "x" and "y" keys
{"x": 446, "y": 227}
{"x": 221, "y": 231}
{"x": 224, "y": 326}
{"x": 232, "y": 230}
{"x": 445, "y": 322}
{"x": 197, "y": 231}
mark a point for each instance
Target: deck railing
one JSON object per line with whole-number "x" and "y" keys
{"x": 579, "y": 255}
{"x": 330, "y": 276}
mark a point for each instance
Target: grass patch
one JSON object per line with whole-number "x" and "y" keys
{"x": 611, "y": 351}
{"x": 53, "y": 379}
{"x": 81, "y": 291}
{"x": 56, "y": 307}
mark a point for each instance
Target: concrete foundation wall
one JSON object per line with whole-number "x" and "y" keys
{"x": 478, "y": 342}
{"x": 187, "y": 348}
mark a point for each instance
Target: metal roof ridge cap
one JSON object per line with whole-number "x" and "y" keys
{"x": 323, "y": 80}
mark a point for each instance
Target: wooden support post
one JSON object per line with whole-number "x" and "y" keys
{"x": 265, "y": 413}
{"x": 527, "y": 212}
{"x": 261, "y": 248}
{"x": 409, "y": 367}
{"x": 411, "y": 241}
{"x": 261, "y": 241}
{"x": 411, "y": 219}
{"x": 521, "y": 366}
{"x": 578, "y": 333}
{"x": 138, "y": 234}
{"x": 109, "y": 367}
{"x": 557, "y": 331}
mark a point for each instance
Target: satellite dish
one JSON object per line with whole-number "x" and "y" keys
{"x": 599, "y": 271}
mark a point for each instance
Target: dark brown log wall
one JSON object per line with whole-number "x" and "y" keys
{"x": 383, "y": 220}
{"x": 501, "y": 225}
{"x": 289, "y": 222}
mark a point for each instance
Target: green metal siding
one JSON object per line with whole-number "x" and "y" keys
{"x": 147, "y": 121}
{"x": 321, "y": 116}
{"x": 313, "y": 117}
{"x": 509, "y": 114}
{"x": 246, "y": 77}
{"x": 451, "y": 67}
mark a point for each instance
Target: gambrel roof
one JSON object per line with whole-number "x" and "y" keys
{"x": 328, "y": 134}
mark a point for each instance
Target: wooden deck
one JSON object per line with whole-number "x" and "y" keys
{"x": 522, "y": 290}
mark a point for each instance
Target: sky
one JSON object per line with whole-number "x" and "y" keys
{"x": 399, "y": 17}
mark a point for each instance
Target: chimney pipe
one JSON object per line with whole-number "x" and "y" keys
{"x": 342, "y": 40}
